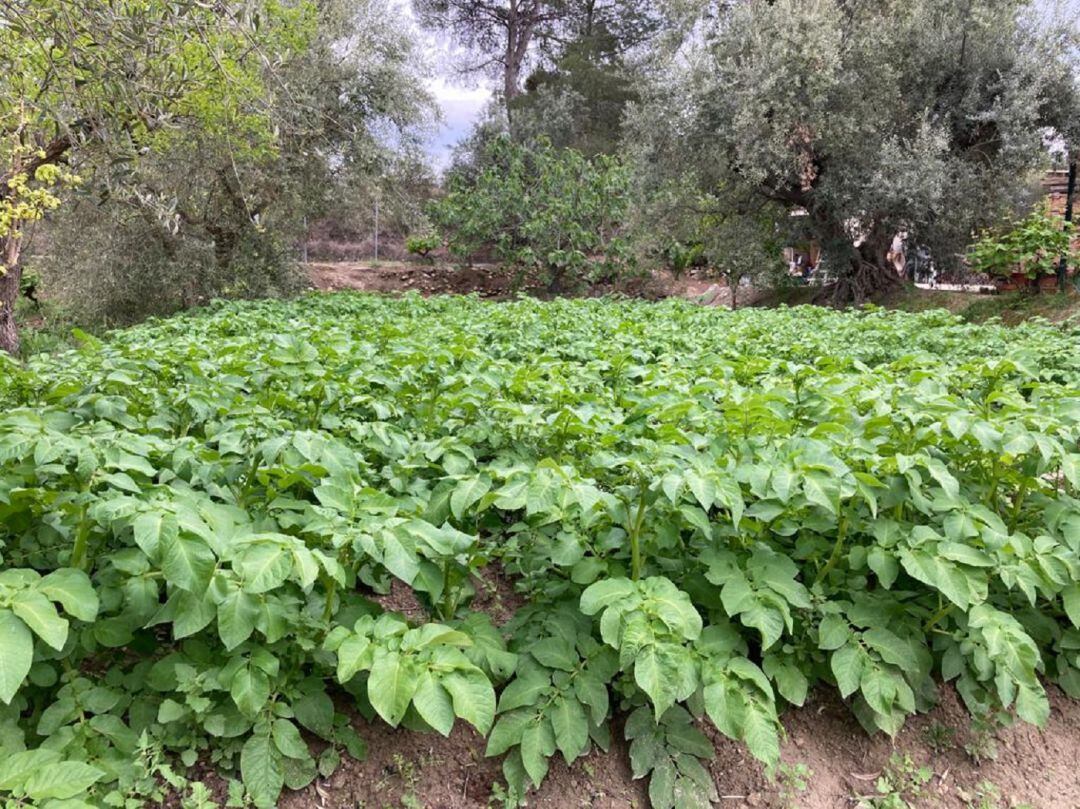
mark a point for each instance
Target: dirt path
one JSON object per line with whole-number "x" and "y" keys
{"x": 396, "y": 277}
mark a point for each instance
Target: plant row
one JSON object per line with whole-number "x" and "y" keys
{"x": 705, "y": 514}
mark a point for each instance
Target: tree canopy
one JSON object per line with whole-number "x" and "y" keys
{"x": 863, "y": 120}
{"x": 123, "y": 77}
{"x": 201, "y": 135}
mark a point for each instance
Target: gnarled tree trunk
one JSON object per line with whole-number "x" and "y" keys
{"x": 865, "y": 273}
{"x": 10, "y": 278}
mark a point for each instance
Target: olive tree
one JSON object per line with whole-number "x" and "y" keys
{"x": 860, "y": 119}
{"x": 210, "y": 213}
{"x": 120, "y": 79}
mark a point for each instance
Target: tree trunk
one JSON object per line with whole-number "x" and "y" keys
{"x": 10, "y": 276}
{"x": 511, "y": 66}
{"x": 866, "y": 273}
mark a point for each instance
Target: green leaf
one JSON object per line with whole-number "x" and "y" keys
{"x": 264, "y": 567}
{"x": 1032, "y": 705}
{"x": 62, "y": 781}
{"x": 703, "y": 489}
{"x": 473, "y": 697}
{"x": 315, "y": 711}
{"x": 73, "y": 590}
{"x": 187, "y": 563}
{"x": 287, "y": 739}
{"x": 298, "y": 772}
{"x": 791, "y": 683}
{"x": 769, "y": 621}
{"x": 1071, "y": 598}
{"x": 38, "y": 613}
{"x": 171, "y": 711}
{"x": 571, "y": 727}
{"x": 391, "y": 686}
{"x": 593, "y": 693}
{"x": 761, "y": 734}
{"x": 847, "y": 667}
{"x": 662, "y": 785}
{"x": 16, "y": 654}
{"x": 433, "y": 703}
{"x": 892, "y": 648}
{"x": 250, "y": 691}
{"x": 237, "y": 616}
{"x": 354, "y": 655}
{"x": 884, "y": 566}
{"x": 833, "y": 632}
{"x": 537, "y": 746}
{"x": 555, "y": 653}
{"x": 193, "y": 613}
{"x": 507, "y": 732}
{"x": 16, "y": 768}
{"x": 655, "y": 678}
{"x": 467, "y": 493}
{"x": 821, "y": 491}
{"x": 260, "y": 767}
{"x": 153, "y": 530}
{"x": 605, "y": 593}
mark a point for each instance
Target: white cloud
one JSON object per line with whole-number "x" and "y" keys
{"x": 460, "y": 99}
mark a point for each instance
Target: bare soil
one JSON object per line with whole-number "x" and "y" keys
{"x": 1032, "y": 768}
{"x": 490, "y": 281}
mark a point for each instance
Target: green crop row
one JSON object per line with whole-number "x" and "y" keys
{"x": 705, "y": 514}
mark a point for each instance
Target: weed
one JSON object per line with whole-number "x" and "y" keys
{"x": 939, "y": 737}
{"x": 793, "y": 779}
{"x": 981, "y": 744}
{"x": 900, "y": 786}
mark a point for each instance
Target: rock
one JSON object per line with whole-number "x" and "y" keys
{"x": 709, "y": 296}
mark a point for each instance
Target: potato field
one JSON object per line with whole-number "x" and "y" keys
{"x": 705, "y": 515}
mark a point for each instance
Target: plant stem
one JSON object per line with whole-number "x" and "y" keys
{"x": 635, "y": 539}
{"x": 834, "y": 557}
{"x": 331, "y": 590}
{"x": 82, "y": 537}
{"x": 937, "y": 616}
{"x": 1018, "y": 504}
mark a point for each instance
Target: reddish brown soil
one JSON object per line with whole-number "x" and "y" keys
{"x": 1040, "y": 769}
{"x": 397, "y": 277}
{"x": 413, "y": 770}
{"x": 489, "y": 281}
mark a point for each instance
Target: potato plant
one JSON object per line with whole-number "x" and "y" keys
{"x": 706, "y": 513}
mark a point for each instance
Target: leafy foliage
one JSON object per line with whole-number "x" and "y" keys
{"x": 211, "y": 212}
{"x": 706, "y": 513}
{"x": 540, "y": 207}
{"x": 1033, "y": 246}
{"x": 423, "y": 244}
{"x": 120, "y": 80}
{"x": 860, "y": 120}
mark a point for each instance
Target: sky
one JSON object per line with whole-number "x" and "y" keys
{"x": 460, "y": 99}
{"x": 461, "y": 105}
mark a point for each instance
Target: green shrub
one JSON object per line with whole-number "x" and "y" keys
{"x": 538, "y": 207}
{"x": 1032, "y": 247}
{"x": 423, "y": 245}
